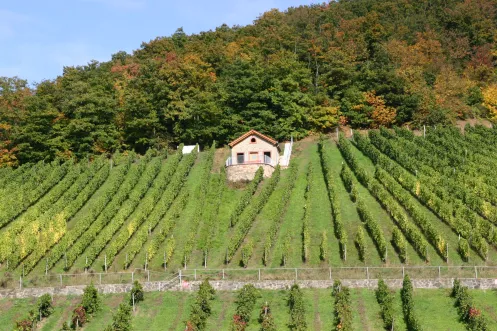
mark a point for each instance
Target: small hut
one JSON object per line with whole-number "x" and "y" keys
{"x": 249, "y": 152}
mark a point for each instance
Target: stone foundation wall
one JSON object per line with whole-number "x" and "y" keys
{"x": 222, "y": 285}
{"x": 246, "y": 172}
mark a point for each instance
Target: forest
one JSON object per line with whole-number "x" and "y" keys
{"x": 361, "y": 63}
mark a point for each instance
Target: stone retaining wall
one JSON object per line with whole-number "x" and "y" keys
{"x": 246, "y": 172}
{"x": 220, "y": 285}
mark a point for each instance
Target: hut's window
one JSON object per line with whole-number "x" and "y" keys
{"x": 240, "y": 158}
{"x": 252, "y": 140}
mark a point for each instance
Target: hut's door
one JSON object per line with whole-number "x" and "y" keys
{"x": 240, "y": 158}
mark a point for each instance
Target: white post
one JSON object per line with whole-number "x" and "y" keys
{"x": 476, "y": 273}
{"x": 100, "y": 274}
{"x": 223, "y": 273}
{"x": 133, "y": 276}
{"x": 148, "y": 275}
{"x": 259, "y": 274}
{"x": 133, "y": 302}
{"x": 337, "y": 132}
{"x": 205, "y": 260}
{"x": 46, "y": 267}
{"x": 424, "y": 131}
{"x": 296, "y": 275}
{"x": 105, "y": 262}
{"x": 403, "y": 272}
{"x": 195, "y": 273}
{"x": 20, "y": 282}
{"x": 438, "y": 271}
{"x": 345, "y": 252}
{"x": 447, "y": 248}
{"x": 367, "y": 272}
{"x": 330, "y": 273}
{"x": 179, "y": 276}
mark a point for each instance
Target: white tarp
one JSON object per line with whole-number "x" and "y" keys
{"x": 187, "y": 149}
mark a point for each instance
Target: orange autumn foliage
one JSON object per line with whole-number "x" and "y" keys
{"x": 381, "y": 115}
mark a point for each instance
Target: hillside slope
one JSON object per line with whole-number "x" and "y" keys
{"x": 365, "y": 63}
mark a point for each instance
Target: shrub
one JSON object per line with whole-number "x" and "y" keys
{"x": 65, "y": 327}
{"x": 137, "y": 291}
{"x": 354, "y": 193}
{"x": 297, "y": 309}
{"x": 347, "y": 176}
{"x": 79, "y": 317}
{"x": 266, "y": 319}
{"x": 121, "y": 320}
{"x": 463, "y": 249}
{"x": 24, "y": 325}
{"x": 287, "y": 245}
{"x": 360, "y": 242}
{"x": 247, "y": 251}
{"x": 468, "y": 313}
{"x": 306, "y": 236}
{"x": 91, "y": 300}
{"x": 385, "y": 299}
{"x": 323, "y": 248}
{"x": 45, "y": 307}
{"x": 343, "y": 310}
{"x": 245, "y": 301}
{"x": 406, "y": 294}
{"x": 400, "y": 244}
{"x": 238, "y": 324}
{"x": 201, "y": 308}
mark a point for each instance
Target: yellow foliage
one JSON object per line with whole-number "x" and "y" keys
{"x": 490, "y": 100}
{"x": 324, "y": 117}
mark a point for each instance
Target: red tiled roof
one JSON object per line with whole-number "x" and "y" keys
{"x": 255, "y": 133}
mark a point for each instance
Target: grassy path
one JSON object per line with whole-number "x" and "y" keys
{"x": 320, "y": 217}
{"x": 291, "y": 226}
